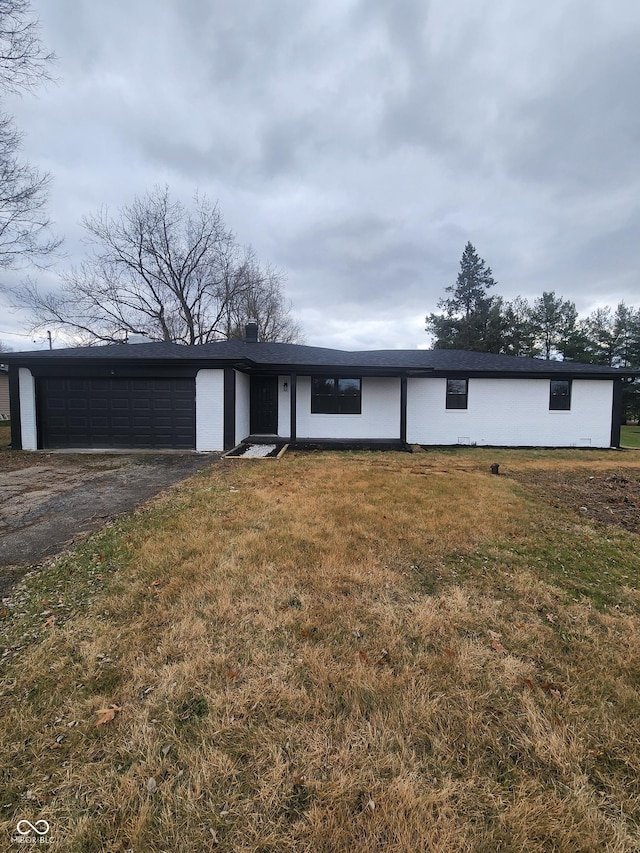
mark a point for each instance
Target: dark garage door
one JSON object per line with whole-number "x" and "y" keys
{"x": 127, "y": 413}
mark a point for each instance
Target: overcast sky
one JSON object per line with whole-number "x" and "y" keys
{"x": 358, "y": 145}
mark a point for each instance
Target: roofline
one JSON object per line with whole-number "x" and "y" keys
{"x": 42, "y": 362}
{"x": 302, "y": 359}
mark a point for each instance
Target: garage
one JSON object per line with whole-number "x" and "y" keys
{"x": 79, "y": 412}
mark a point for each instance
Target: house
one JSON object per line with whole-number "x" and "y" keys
{"x": 4, "y": 393}
{"x": 212, "y": 396}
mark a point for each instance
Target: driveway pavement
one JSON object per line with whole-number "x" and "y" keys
{"x": 48, "y": 500}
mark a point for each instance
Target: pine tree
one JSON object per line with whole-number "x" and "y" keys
{"x": 519, "y": 337}
{"x": 555, "y": 325}
{"x": 471, "y": 319}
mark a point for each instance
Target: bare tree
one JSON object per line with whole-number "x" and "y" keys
{"x": 24, "y": 225}
{"x": 23, "y": 60}
{"x": 161, "y": 270}
{"x": 261, "y": 299}
{"x": 4, "y": 347}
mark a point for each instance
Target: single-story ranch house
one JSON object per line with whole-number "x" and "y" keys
{"x": 212, "y": 396}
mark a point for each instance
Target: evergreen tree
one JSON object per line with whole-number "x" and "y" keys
{"x": 555, "y": 324}
{"x": 626, "y": 330}
{"x": 519, "y": 336}
{"x": 601, "y": 343}
{"x": 470, "y": 318}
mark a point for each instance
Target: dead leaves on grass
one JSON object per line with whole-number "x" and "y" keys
{"x": 379, "y": 660}
{"x": 549, "y": 687}
{"x": 496, "y": 645}
{"x": 105, "y": 715}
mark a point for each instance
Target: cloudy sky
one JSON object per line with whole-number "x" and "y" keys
{"x": 358, "y": 144}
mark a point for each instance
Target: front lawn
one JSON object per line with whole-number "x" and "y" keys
{"x": 336, "y": 652}
{"x": 630, "y": 436}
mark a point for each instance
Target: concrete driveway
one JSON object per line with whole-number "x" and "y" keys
{"x": 49, "y": 500}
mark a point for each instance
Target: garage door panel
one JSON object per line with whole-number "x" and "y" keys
{"x": 119, "y": 405}
{"x": 56, "y": 384}
{"x": 120, "y": 413}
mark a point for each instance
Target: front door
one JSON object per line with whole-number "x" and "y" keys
{"x": 264, "y": 405}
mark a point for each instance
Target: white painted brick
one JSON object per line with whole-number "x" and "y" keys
{"x": 243, "y": 427}
{"x": 380, "y": 416}
{"x": 210, "y": 410}
{"x": 27, "y": 386}
{"x": 510, "y": 412}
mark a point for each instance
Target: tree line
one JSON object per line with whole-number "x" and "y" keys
{"x": 471, "y": 317}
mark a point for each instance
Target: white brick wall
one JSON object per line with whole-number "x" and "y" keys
{"x": 242, "y": 406}
{"x": 210, "y": 410}
{"x": 27, "y": 386}
{"x": 380, "y": 416}
{"x": 510, "y": 412}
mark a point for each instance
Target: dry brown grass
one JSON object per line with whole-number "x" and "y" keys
{"x": 358, "y": 652}
{"x": 5, "y": 434}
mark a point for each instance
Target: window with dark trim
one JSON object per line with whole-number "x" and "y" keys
{"x": 457, "y": 393}
{"x": 560, "y": 395}
{"x": 335, "y": 395}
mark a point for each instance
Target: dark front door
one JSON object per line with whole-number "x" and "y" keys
{"x": 264, "y": 405}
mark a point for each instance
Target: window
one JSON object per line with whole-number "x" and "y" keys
{"x": 457, "y": 392}
{"x": 560, "y": 395}
{"x": 332, "y": 395}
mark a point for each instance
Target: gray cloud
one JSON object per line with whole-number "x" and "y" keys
{"x": 359, "y": 145}
{"x": 582, "y": 135}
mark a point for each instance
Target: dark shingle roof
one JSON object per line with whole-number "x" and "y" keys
{"x": 243, "y": 353}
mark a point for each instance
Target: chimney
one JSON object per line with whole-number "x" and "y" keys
{"x": 251, "y": 333}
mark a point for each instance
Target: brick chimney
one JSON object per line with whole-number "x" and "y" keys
{"x": 251, "y": 333}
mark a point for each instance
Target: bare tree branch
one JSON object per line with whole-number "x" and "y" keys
{"x": 24, "y": 225}
{"x": 23, "y": 60}
{"x": 170, "y": 273}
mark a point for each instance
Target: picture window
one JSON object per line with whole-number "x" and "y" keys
{"x": 336, "y": 395}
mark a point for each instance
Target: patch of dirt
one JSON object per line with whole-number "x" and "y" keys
{"x": 611, "y": 497}
{"x": 48, "y": 500}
